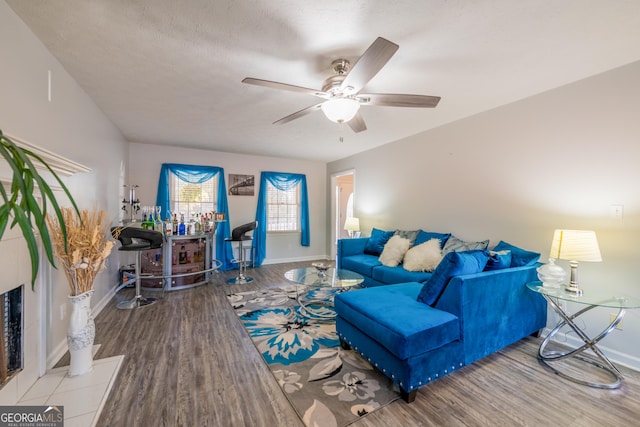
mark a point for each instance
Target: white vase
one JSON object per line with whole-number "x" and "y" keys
{"x": 80, "y": 335}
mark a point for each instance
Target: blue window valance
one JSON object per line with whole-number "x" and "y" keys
{"x": 197, "y": 175}
{"x": 283, "y": 182}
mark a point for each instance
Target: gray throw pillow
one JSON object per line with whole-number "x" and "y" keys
{"x": 410, "y": 235}
{"x": 456, "y": 245}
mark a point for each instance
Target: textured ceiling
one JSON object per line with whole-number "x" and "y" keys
{"x": 169, "y": 72}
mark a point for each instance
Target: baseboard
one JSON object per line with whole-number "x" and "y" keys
{"x": 57, "y": 354}
{"x": 617, "y": 357}
{"x": 97, "y": 308}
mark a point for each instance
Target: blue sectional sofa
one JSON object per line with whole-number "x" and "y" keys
{"x": 432, "y": 324}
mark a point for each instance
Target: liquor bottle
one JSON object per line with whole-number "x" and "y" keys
{"x": 181, "y": 226}
{"x": 209, "y": 223}
{"x": 168, "y": 227}
{"x": 175, "y": 224}
{"x": 182, "y": 255}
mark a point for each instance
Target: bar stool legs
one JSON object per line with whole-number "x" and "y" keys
{"x": 241, "y": 279}
{"x": 138, "y": 301}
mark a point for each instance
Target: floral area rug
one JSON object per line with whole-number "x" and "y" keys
{"x": 326, "y": 385}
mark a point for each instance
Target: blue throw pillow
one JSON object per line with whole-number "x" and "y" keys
{"x": 519, "y": 257}
{"x": 376, "y": 242}
{"x": 453, "y": 264}
{"x": 425, "y": 236}
{"x": 498, "y": 260}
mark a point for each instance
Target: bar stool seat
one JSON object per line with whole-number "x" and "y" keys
{"x": 134, "y": 239}
{"x": 239, "y": 235}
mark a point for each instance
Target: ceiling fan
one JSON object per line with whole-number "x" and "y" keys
{"x": 341, "y": 91}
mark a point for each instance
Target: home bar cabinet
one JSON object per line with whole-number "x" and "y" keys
{"x": 183, "y": 262}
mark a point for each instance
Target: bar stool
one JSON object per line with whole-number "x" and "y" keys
{"x": 239, "y": 235}
{"x": 134, "y": 239}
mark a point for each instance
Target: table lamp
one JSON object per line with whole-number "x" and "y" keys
{"x": 575, "y": 246}
{"x": 352, "y": 225}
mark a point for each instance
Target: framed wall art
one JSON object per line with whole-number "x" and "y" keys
{"x": 241, "y": 185}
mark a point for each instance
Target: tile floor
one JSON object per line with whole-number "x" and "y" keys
{"x": 83, "y": 397}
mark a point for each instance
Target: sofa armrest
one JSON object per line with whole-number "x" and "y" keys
{"x": 495, "y": 308}
{"x": 348, "y": 247}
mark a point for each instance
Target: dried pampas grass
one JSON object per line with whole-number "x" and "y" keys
{"x": 87, "y": 246}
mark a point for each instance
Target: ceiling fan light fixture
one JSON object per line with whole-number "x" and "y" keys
{"x": 340, "y": 110}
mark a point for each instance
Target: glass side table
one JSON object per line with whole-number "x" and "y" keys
{"x": 591, "y": 299}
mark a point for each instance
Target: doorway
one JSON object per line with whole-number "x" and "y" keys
{"x": 342, "y": 206}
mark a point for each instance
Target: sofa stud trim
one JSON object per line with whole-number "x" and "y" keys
{"x": 407, "y": 395}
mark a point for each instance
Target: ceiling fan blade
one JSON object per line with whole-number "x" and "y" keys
{"x": 368, "y": 65}
{"x": 284, "y": 86}
{"x": 398, "y": 100}
{"x": 298, "y": 114}
{"x": 357, "y": 124}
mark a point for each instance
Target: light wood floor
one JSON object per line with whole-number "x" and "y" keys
{"x": 189, "y": 362}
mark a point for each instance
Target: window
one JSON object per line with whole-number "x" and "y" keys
{"x": 192, "y": 199}
{"x": 283, "y": 206}
{"x": 283, "y": 209}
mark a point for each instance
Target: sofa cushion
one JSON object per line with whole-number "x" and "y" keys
{"x": 453, "y": 264}
{"x": 399, "y": 275}
{"x": 376, "y": 242}
{"x": 519, "y": 256}
{"x": 394, "y": 251}
{"x": 457, "y": 245}
{"x": 391, "y": 316}
{"x": 423, "y": 257}
{"x": 498, "y": 260}
{"x": 425, "y": 236}
{"x": 361, "y": 264}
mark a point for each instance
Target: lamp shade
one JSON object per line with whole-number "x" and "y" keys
{"x": 340, "y": 110}
{"x": 352, "y": 224}
{"x": 575, "y": 245}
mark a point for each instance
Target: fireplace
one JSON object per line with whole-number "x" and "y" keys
{"x": 11, "y": 334}
{"x": 42, "y": 331}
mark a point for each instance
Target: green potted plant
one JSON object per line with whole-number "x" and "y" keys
{"x": 20, "y": 206}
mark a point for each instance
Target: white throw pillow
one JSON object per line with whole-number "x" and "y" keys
{"x": 394, "y": 250}
{"x": 424, "y": 257}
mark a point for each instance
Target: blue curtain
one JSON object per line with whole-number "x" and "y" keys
{"x": 281, "y": 181}
{"x": 197, "y": 175}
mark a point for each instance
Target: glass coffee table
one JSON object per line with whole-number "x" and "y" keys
{"x": 330, "y": 279}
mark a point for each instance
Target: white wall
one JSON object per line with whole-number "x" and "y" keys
{"x": 556, "y": 160}
{"x": 70, "y": 125}
{"x": 146, "y": 160}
